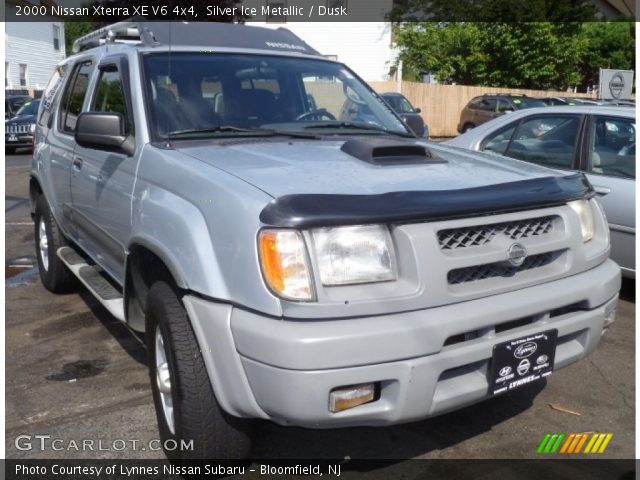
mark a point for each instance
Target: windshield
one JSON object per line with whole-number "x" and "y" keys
{"x": 399, "y": 103}
{"x": 30, "y": 108}
{"x": 205, "y": 94}
{"x": 524, "y": 102}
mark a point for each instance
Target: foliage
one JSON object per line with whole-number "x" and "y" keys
{"x": 493, "y": 10}
{"x": 73, "y": 31}
{"x": 608, "y": 45}
{"x": 537, "y": 55}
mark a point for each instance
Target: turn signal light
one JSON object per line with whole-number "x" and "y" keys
{"x": 343, "y": 398}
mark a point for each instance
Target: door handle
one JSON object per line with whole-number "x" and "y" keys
{"x": 601, "y": 190}
{"x": 77, "y": 164}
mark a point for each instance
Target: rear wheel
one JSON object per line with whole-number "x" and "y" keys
{"x": 467, "y": 127}
{"x": 55, "y": 275}
{"x": 186, "y": 407}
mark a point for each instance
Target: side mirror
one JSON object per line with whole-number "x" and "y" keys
{"x": 417, "y": 110}
{"x": 104, "y": 131}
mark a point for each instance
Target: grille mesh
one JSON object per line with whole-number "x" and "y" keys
{"x": 500, "y": 269}
{"x": 479, "y": 235}
{"x": 19, "y": 128}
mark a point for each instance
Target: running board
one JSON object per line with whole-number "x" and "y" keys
{"x": 96, "y": 282}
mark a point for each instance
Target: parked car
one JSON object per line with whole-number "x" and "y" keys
{"x": 291, "y": 264}
{"x": 489, "y": 106}
{"x": 407, "y": 112}
{"x": 18, "y": 131}
{"x": 599, "y": 141}
{"x": 12, "y": 104}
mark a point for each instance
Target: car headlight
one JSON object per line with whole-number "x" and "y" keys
{"x": 585, "y": 214}
{"x": 355, "y": 254}
{"x": 32, "y": 127}
{"x": 283, "y": 258}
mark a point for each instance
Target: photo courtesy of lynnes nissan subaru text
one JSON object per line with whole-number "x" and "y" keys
{"x": 291, "y": 250}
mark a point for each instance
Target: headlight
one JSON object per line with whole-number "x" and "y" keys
{"x": 32, "y": 127}
{"x": 352, "y": 255}
{"x": 585, "y": 214}
{"x": 283, "y": 258}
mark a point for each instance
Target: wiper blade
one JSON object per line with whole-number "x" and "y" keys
{"x": 358, "y": 126}
{"x": 230, "y": 128}
{"x": 219, "y": 128}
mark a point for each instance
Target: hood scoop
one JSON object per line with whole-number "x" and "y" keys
{"x": 383, "y": 152}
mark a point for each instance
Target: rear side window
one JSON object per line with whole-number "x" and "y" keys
{"x": 51, "y": 93}
{"x": 74, "y": 97}
{"x": 109, "y": 95}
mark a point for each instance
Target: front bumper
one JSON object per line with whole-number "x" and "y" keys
{"x": 18, "y": 140}
{"x": 283, "y": 370}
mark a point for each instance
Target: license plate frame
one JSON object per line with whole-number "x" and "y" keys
{"x": 519, "y": 362}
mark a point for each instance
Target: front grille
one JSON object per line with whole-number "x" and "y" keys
{"x": 500, "y": 269}
{"x": 21, "y": 128}
{"x": 478, "y": 235}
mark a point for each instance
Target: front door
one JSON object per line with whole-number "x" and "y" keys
{"x": 102, "y": 181}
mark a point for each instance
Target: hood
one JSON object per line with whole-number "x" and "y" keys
{"x": 22, "y": 119}
{"x": 282, "y": 167}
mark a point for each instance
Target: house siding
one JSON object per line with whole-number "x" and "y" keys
{"x": 31, "y": 43}
{"x": 365, "y": 47}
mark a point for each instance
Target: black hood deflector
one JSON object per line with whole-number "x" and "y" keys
{"x": 311, "y": 210}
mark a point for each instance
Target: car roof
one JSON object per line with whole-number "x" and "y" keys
{"x": 478, "y": 133}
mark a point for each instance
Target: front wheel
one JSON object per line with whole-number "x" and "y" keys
{"x": 186, "y": 407}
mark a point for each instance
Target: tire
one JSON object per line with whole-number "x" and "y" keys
{"x": 467, "y": 127}
{"x": 54, "y": 274}
{"x": 194, "y": 411}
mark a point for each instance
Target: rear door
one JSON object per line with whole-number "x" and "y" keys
{"x": 610, "y": 164}
{"x": 61, "y": 143}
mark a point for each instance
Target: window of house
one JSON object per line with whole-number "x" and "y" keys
{"x": 24, "y": 80}
{"x": 56, "y": 37}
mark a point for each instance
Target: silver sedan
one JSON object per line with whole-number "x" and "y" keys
{"x": 599, "y": 141}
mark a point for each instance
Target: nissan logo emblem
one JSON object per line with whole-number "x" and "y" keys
{"x": 516, "y": 254}
{"x": 616, "y": 85}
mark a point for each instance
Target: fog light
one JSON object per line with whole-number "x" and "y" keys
{"x": 349, "y": 396}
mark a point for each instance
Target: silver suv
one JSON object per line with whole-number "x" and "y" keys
{"x": 292, "y": 252}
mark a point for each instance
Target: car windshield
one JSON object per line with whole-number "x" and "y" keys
{"x": 399, "y": 103}
{"x": 524, "y": 102}
{"x": 29, "y": 108}
{"x": 195, "y": 95}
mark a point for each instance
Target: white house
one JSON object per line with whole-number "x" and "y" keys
{"x": 366, "y": 47}
{"x": 32, "y": 50}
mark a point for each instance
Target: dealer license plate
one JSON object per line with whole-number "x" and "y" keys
{"x": 522, "y": 361}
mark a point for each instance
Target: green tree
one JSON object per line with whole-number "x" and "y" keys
{"x": 607, "y": 45}
{"x": 539, "y": 55}
{"x": 75, "y": 30}
{"x": 493, "y": 10}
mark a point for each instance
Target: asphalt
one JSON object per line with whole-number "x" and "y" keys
{"x": 76, "y": 374}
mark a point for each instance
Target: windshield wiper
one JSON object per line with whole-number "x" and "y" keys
{"x": 231, "y": 129}
{"x": 359, "y": 126}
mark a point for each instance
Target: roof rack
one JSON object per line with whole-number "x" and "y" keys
{"x": 506, "y": 94}
{"x": 125, "y": 32}
{"x": 200, "y": 34}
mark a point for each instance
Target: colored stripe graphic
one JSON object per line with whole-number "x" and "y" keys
{"x": 573, "y": 443}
